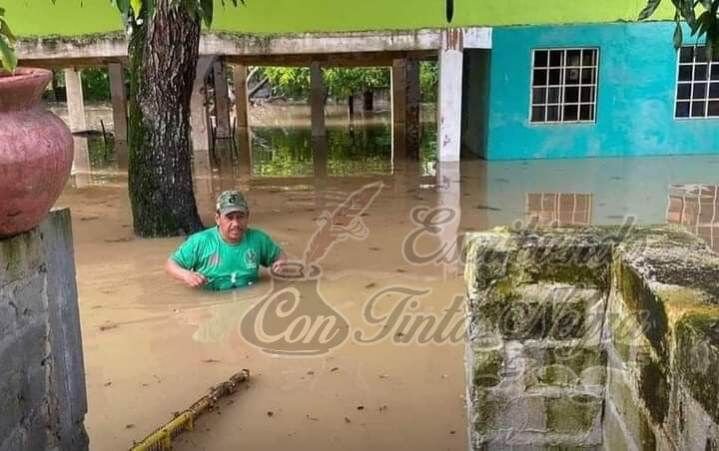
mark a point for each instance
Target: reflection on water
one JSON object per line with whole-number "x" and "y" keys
{"x": 364, "y": 149}
{"x": 695, "y": 207}
{"x": 559, "y": 209}
{"x": 650, "y": 190}
{"x": 360, "y": 147}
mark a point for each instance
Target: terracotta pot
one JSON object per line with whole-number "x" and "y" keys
{"x": 36, "y": 150}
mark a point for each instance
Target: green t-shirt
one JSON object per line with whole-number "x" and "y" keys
{"x": 227, "y": 266}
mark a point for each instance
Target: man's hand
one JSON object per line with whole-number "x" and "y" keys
{"x": 279, "y": 265}
{"x": 190, "y": 278}
{"x": 194, "y": 279}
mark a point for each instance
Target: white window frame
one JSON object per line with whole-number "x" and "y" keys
{"x": 562, "y": 85}
{"x": 693, "y": 64}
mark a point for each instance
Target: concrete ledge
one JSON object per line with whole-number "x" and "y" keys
{"x": 105, "y": 48}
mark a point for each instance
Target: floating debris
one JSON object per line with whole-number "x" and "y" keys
{"x": 108, "y": 326}
{"x": 161, "y": 439}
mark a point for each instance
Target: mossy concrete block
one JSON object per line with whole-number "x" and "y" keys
{"x": 489, "y": 254}
{"x": 636, "y": 420}
{"x": 488, "y": 367}
{"x": 644, "y": 305}
{"x": 614, "y": 435}
{"x": 692, "y": 428}
{"x": 565, "y": 366}
{"x": 574, "y": 312}
{"x": 578, "y": 414}
{"x": 540, "y": 311}
{"x": 697, "y": 359}
{"x": 672, "y": 256}
{"x": 624, "y": 332}
{"x": 20, "y": 256}
{"x": 502, "y": 413}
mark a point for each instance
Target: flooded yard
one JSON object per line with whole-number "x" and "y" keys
{"x": 152, "y": 347}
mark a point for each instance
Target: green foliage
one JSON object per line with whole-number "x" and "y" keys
{"x": 96, "y": 84}
{"x": 428, "y": 80}
{"x": 8, "y": 59}
{"x": 294, "y": 82}
{"x": 131, "y": 10}
{"x": 344, "y": 82}
{"x": 706, "y": 24}
{"x": 291, "y": 82}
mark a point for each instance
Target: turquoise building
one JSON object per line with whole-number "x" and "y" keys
{"x": 595, "y": 90}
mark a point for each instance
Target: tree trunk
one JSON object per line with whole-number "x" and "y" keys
{"x": 368, "y": 101}
{"x": 163, "y": 58}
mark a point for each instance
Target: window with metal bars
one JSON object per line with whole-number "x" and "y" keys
{"x": 697, "y": 84}
{"x": 564, "y": 85}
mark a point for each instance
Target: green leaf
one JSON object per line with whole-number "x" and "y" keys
{"x": 8, "y": 59}
{"x": 649, "y": 9}
{"x": 136, "y": 7}
{"x": 206, "y": 12}
{"x": 5, "y": 31}
{"x": 678, "y": 36}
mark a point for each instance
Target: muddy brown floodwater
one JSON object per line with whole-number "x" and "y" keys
{"x": 152, "y": 347}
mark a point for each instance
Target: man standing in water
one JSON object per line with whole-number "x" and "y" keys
{"x": 227, "y": 256}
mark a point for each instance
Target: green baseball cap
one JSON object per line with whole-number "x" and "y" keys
{"x": 231, "y": 201}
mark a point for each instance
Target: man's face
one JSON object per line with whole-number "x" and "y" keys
{"x": 232, "y": 225}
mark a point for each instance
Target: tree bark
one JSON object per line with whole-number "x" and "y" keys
{"x": 163, "y": 56}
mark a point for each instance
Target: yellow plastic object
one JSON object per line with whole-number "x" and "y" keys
{"x": 161, "y": 439}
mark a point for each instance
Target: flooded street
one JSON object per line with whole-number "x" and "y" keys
{"x": 152, "y": 347}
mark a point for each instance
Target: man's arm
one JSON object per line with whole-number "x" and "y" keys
{"x": 190, "y": 278}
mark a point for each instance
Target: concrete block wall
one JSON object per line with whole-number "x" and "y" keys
{"x": 42, "y": 382}
{"x": 663, "y": 343}
{"x": 592, "y": 338}
{"x": 534, "y": 357}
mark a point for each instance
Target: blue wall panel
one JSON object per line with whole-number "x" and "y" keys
{"x": 635, "y": 103}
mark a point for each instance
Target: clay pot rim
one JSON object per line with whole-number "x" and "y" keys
{"x": 23, "y": 73}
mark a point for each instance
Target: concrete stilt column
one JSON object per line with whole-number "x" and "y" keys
{"x": 75, "y": 100}
{"x": 399, "y": 109}
{"x": 413, "y": 102}
{"x": 239, "y": 73}
{"x": 222, "y": 101}
{"x": 451, "y": 59}
{"x": 318, "y": 97}
{"x": 202, "y": 184}
{"x": 405, "y": 109}
{"x": 198, "y": 107}
{"x": 119, "y": 101}
{"x": 81, "y": 169}
{"x": 244, "y": 149}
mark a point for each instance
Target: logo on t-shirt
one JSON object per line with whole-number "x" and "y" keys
{"x": 251, "y": 259}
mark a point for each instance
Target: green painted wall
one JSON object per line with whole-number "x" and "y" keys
{"x": 78, "y": 17}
